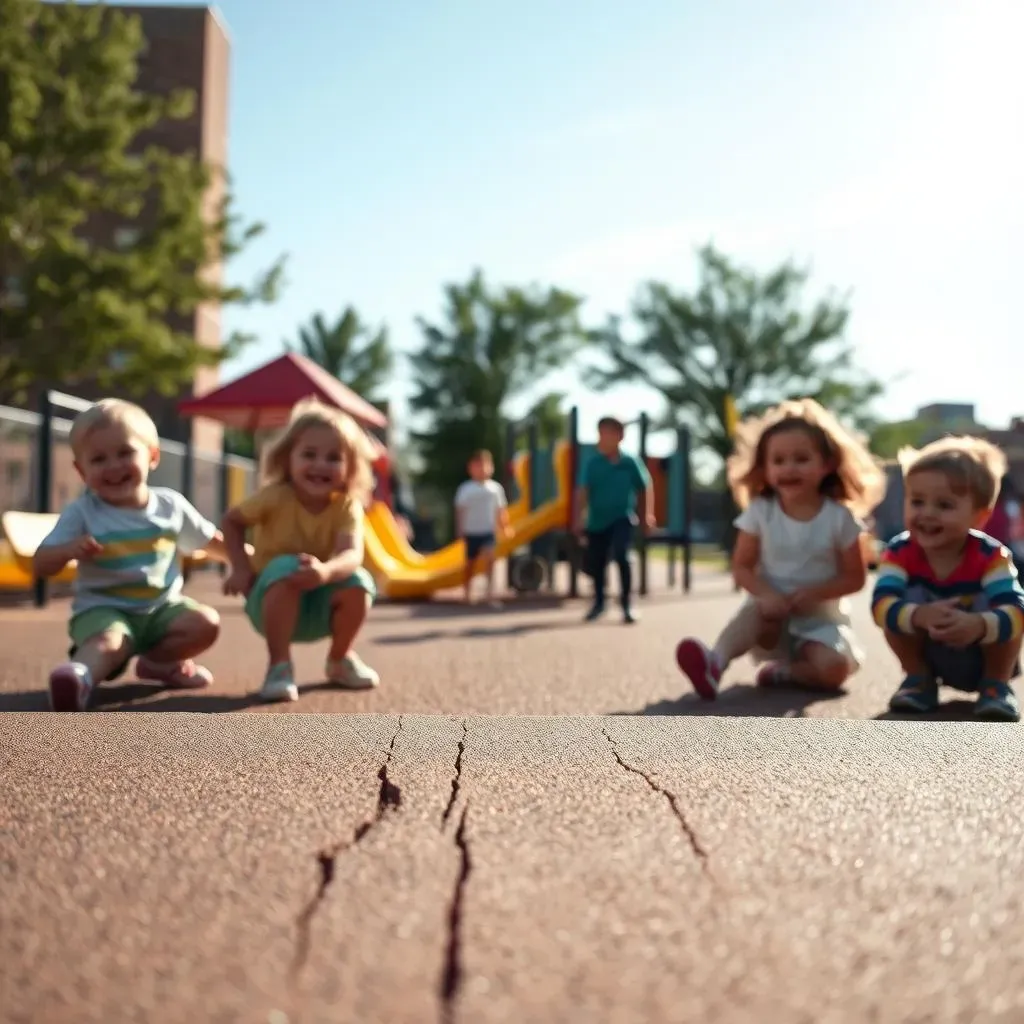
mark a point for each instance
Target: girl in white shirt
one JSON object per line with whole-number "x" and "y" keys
{"x": 801, "y": 480}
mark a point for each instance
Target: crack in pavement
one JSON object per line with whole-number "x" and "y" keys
{"x": 457, "y": 777}
{"x": 691, "y": 834}
{"x": 389, "y": 798}
{"x": 451, "y": 977}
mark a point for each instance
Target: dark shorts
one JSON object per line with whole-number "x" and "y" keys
{"x": 963, "y": 668}
{"x": 477, "y": 543}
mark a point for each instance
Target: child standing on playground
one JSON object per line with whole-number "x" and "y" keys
{"x": 799, "y": 478}
{"x": 612, "y": 482}
{"x": 305, "y": 580}
{"x": 126, "y": 538}
{"x": 947, "y": 596}
{"x": 481, "y": 513}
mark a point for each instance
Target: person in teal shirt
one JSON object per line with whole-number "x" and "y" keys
{"x": 612, "y": 482}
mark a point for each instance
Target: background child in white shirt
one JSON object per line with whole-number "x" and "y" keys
{"x": 481, "y": 514}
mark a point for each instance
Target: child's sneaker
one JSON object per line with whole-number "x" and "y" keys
{"x": 70, "y": 687}
{"x": 997, "y": 703}
{"x": 351, "y": 672}
{"x": 772, "y": 675}
{"x": 917, "y": 694}
{"x": 700, "y": 665}
{"x": 279, "y": 684}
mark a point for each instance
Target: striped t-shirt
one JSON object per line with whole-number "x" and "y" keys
{"x": 138, "y": 569}
{"x": 985, "y": 582}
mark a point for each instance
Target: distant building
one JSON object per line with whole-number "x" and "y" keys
{"x": 947, "y": 412}
{"x": 186, "y": 47}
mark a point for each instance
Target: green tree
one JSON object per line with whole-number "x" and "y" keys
{"x": 494, "y": 346}
{"x": 349, "y": 350}
{"x": 886, "y": 439}
{"x": 739, "y": 333}
{"x": 77, "y": 160}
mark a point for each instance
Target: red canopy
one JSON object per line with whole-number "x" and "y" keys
{"x": 263, "y": 399}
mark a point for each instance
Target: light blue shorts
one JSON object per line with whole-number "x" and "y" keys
{"x": 314, "y": 606}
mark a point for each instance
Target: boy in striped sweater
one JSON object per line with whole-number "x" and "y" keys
{"x": 947, "y": 596}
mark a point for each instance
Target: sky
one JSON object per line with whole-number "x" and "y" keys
{"x": 594, "y": 144}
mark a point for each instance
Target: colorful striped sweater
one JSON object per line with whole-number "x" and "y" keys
{"x": 985, "y": 582}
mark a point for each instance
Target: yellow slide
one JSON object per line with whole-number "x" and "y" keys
{"x": 382, "y": 521}
{"x": 403, "y": 573}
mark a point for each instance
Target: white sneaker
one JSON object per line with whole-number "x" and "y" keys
{"x": 279, "y": 684}
{"x": 70, "y": 687}
{"x": 352, "y": 673}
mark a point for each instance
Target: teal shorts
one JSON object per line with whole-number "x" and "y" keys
{"x": 314, "y": 605}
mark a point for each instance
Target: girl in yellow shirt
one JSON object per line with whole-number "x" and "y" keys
{"x": 305, "y": 581}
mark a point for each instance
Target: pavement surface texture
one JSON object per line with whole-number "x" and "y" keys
{"x": 531, "y": 820}
{"x": 431, "y": 869}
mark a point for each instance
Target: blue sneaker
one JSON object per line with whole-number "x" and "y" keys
{"x": 917, "y": 694}
{"x": 997, "y": 703}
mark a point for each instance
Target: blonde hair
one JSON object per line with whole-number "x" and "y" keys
{"x": 970, "y": 464}
{"x": 114, "y": 411}
{"x": 355, "y": 446}
{"x": 857, "y": 480}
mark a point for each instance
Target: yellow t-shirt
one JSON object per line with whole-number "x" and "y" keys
{"x": 281, "y": 526}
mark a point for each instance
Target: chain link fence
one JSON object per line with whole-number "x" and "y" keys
{"x": 217, "y": 482}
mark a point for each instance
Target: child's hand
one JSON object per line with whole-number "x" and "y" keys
{"x": 773, "y": 606}
{"x": 312, "y": 574}
{"x": 802, "y": 601}
{"x": 84, "y": 549}
{"x": 239, "y": 581}
{"x": 651, "y": 521}
{"x": 936, "y": 613}
{"x": 958, "y": 629}
{"x": 508, "y": 531}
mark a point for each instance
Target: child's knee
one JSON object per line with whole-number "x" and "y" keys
{"x": 351, "y": 601}
{"x": 831, "y": 669}
{"x": 201, "y": 625}
{"x": 905, "y": 642}
{"x": 114, "y": 641}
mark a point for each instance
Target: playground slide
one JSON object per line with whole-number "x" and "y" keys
{"x": 402, "y": 581}
{"x": 393, "y": 541}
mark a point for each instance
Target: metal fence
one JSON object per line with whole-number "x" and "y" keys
{"x": 213, "y": 482}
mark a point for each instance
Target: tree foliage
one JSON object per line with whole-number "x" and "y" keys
{"x": 349, "y": 350}
{"x": 78, "y": 159}
{"x": 494, "y": 345}
{"x": 738, "y": 333}
{"x": 886, "y": 439}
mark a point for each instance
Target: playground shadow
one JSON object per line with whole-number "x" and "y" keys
{"x": 959, "y": 710}
{"x": 453, "y": 608}
{"x": 473, "y": 633}
{"x": 148, "y": 697}
{"x": 741, "y": 700}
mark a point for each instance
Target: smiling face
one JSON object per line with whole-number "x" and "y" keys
{"x": 937, "y": 516}
{"x": 794, "y": 465}
{"x": 115, "y": 464}
{"x": 316, "y": 466}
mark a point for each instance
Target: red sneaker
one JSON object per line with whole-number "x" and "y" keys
{"x": 698, "y": 663}
{"x": 70, "y": 687}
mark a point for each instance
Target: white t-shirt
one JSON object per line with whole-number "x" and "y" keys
{"x": 479, "y": 501}
{"x": 796, "y": 554}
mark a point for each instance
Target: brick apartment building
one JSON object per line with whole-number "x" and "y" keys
{"x": 186, "y": 47}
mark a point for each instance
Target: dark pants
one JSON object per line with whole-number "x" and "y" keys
{"x": 604, "y": 546}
